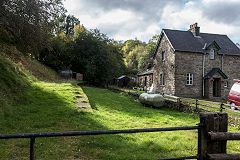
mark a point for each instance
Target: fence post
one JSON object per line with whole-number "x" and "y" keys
{"x": 32, "y": 148}
{"x": 221, "y": 107}
{"x": 179, "y": 103}
{"x": 196, "y": 105}
{"x": 212, "y": 122}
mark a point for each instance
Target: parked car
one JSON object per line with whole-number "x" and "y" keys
{"x": 234, "y": 95}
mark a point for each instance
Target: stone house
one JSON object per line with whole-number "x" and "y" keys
{"x": 145, "y": 79}
{"x": 194, "y": 64}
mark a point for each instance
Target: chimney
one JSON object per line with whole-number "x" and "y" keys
{"x": 149, "y": 66}
{"x": 195, "y": 29}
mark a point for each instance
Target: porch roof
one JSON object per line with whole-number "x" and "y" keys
{"x": 149, "y": 71}
{"x": 214, "y": 71}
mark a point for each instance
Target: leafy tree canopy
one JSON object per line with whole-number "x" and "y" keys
{"x": 29, "y": 24}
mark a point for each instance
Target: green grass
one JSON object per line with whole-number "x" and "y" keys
{"x": 127, "y": 89}
{"x": 49, "y": 107}
{"x": 29, "y": 105}
{"x": 11, "y": 83}
{"x": 208, "y": 102}
{"x": 230, "y": 113}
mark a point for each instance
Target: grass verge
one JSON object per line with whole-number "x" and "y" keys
{"x": 49, "y": 107}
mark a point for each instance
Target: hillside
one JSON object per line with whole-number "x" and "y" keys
{"x": 17, "y": 73}
{"x": 34, "y": 100}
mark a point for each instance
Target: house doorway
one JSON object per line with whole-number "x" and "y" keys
{"x": 145, "y": 82}
{"x": 217, "y": 87}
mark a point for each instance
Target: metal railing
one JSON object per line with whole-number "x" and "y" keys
{"x": 33, "y": 136}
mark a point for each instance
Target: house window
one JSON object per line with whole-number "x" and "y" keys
{"x": 162, "y": 79}
{"x": 225, "y": 84}
{"x": 189, "y": 79}
{"x": 163, "y": 56}
{"x": 212, "y": 54}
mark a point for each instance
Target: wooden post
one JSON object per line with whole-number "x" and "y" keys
{"x": 178, "y": 103}
{"x": 196, "y": 105}
{"x": 233, "y": 156}
{"x": 221, "y": 136}
{"x": 212, "y": 122}
{"x": 221, "y": 107}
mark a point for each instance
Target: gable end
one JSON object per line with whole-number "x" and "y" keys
{"x": 159, "y": 41}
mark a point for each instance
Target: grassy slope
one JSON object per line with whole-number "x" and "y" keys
{"x": 118, "y": 111}
{"x": 11, "y": 82}
{"x": 18, "y": 72}
{"x": 30, "y": 105}
{"x": 115, "y": 111}
{"x": 49, "y": 107}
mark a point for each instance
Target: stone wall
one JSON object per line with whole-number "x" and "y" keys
{"x": 142, "y": 78}
{"x": 209, "y": 84}
{"x": 164, "y": 67}
{"x": 178, "y": 64}
{"x": 231, "y": 67}
{"x": 187, "y": 62}
{"x": 212, "y": 63}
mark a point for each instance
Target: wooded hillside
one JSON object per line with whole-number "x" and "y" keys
{"x": 42, "y": 30}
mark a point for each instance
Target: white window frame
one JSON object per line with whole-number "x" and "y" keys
{"x": 162, "y": 79}
{"x": 189, "y": 79}
{"x": 212, "y": 52}
{"x": 226, "y": 84}
{"x": 163, "y": 55}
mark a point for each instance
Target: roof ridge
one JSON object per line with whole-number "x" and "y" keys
{"x": 190, "y": 31}
{"x": 185, "y": 41}
{"x": 214, "y": 34}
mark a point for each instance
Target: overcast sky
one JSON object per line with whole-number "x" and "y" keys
{"x": 141, "y": 19}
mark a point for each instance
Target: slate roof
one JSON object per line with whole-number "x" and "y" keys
{"x": 186, "y": 41}
{"x": 150, "y": 71}
{"x": 214, "y": 71}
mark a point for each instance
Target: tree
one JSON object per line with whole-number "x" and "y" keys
{"x": 29, "y": 24}
{"x": 129, "y": 45}
{"x": 59, "y": 55}
{"x": 66, "y": 23}
{"x": 134, "y": 55}
{"x": 138, "y": 55}
{"x": 96, "y": 56}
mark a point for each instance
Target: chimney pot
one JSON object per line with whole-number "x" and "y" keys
{"x": 195, "y": 29}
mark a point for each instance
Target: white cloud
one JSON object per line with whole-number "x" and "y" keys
{"x": 192, "y": 12}
{"x": 219, "y": 1}
{"x": 129, "y": 19}
{"x": 113, "y": 17}
{"x": 179, "y": 18}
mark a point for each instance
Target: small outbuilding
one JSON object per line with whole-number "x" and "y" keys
{"x": 113, "y": 82}
{"x": 79, "y": 76}
{"x": 66, "y": 74}
{"x": 145, "y": 79}
{"x": 123, "y": 81}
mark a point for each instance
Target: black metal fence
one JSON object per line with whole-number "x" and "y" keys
{"x": 33, "y": 136}
{"x": 212, "y": 137}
